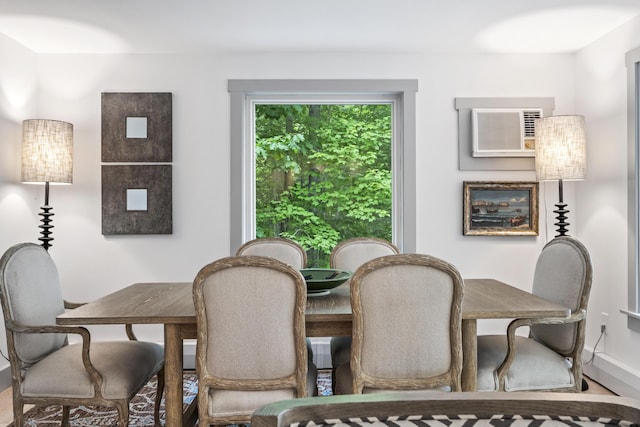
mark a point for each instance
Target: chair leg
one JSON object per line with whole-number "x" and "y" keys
{"x": 159, "y": 394}
{"x": 65, "y": 415}
{"x": 123, "y": 412}
{"x": 18, "y": 414}
{"x": 203, "y": 406}
{"x": 333, "y": 380}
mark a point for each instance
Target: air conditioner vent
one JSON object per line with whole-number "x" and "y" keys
{"x": 504, "y": 132}
{"x": 530, "y": 117}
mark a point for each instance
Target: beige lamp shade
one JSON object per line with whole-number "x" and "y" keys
{"x": 47, "y": 151}
{"x": 560, "y": 148}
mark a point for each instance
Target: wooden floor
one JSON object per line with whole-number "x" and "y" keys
{"x": 6, "y": 413}
{"x": 595, "y": 388}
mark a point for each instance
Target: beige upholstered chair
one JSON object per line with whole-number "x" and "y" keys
{"x": 45, "y": 369}
{"x": 349, "y": 255}
{"x": 280, "y": 248}
{"x": 550, "y": 357}
{"x": 406, "y": 326}
{"x": 251, "y": 337}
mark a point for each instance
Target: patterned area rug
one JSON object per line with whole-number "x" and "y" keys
{"x": 141, "y": 407}
{"x": 324, "y": 382}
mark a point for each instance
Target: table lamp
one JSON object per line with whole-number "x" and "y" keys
{"x": 560, "y": 155}
{"x": 47, "y": 157}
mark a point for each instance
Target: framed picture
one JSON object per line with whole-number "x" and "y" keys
{"x": 500, "y": 208}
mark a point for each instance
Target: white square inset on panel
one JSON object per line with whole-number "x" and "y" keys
{"x": 136, "y": 127}
{"x": 136, "y": 199}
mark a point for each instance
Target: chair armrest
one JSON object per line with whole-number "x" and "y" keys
{"x": 502, "y": 370}
{"x": 94, "y": 374}
{"x": 130, "y": 334}
{"x": 50, "y": 329}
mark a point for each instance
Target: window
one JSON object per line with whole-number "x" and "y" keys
{"x": 323, "y": 173}
{"x": 246, "y": 94}
{"x": 633, "y": 123}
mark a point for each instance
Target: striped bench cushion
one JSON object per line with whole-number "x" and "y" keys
{"x": 468, "y": 421}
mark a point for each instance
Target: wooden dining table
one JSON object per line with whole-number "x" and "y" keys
{"x": 171, "y": 304}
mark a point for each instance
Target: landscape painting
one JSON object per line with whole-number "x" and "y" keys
{"x": 500, "y": 208}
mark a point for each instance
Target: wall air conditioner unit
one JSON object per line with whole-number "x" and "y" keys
{"x": 504, "y": 132}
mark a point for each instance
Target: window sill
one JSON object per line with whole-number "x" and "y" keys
{"x": 633, "y": 319}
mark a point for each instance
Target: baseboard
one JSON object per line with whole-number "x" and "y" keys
{"x": 609, "y": 372}
{"x": 321, "y": 352}
{"x": 189, "y": 354}
{"x": 5, "y": 378}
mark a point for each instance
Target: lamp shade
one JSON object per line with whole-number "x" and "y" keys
{"x": 560, "y": 148}
{"x": 47, "y": 151}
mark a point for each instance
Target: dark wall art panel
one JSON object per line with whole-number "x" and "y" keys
{"x": 136, "y": 199}
{"x": 136, "y": 127}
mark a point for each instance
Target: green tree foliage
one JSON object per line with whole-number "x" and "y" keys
{"x": 323, "y": 174}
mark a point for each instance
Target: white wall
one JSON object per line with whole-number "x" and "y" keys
{"x": 18, "y": 89}
{"x": 601, "y": 200}
{"x": 92, "y": 265}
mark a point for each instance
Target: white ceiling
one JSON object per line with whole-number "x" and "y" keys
{"x": 200, "y": 26}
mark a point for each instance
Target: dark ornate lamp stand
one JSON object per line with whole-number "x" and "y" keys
{"x": 561, "y": 212}
{"x": 46, "y": 220}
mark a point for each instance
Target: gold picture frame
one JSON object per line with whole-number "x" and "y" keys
{"x": 494, "y": 208}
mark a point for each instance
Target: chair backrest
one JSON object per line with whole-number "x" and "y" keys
{"x": 406, "y": 324}
{"x": 31, "y": 296}
{"x": 280, "y": 248}
{"x": 563, "y": 275}
{"x": 250, "y": 328}
{"x": 352, "y": 253}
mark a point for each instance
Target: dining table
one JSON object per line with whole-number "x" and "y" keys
{"x": 171, "y": 304}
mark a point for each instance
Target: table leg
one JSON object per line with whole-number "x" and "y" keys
{"x": 173, "y": 375}
{"x": 469, "y": 354}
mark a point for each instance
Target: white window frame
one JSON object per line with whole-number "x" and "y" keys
{"x": 245, "y": 94}
{"x": 633, "y": 187}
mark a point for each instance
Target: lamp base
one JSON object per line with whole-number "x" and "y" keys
{"x": 46, "y": 226}
{"x": 562, "y": 223}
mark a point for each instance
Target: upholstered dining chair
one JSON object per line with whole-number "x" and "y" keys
{"x": 251, "y": 348}
{"x": 45, "y": 368}
{"x": 349, "y": 255}
{"x": 407, "y": 317}
{"x": 550, "y": 357}
{"x": 281, "y": 248}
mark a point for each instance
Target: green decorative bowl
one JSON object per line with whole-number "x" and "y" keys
{"x": 321, "y": 280}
